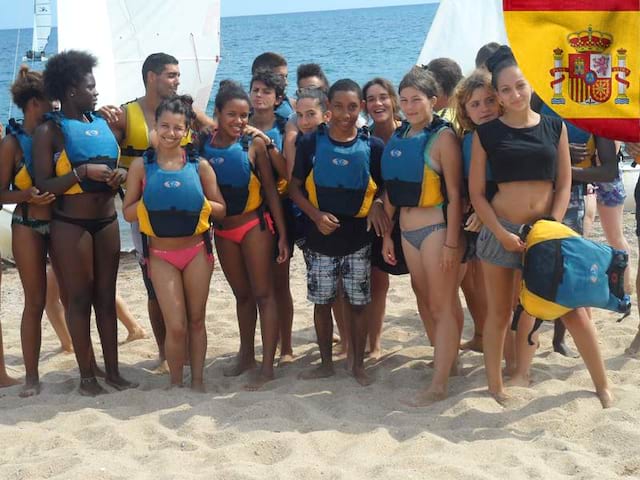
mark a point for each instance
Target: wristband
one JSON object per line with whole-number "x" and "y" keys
{"x": 270, "y": 145}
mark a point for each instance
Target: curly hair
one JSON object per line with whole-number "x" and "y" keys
{"x": 345, "y": 85}
{"x": 307, "y": 70}
{"x": 391, "y": 91}
{"x": 421, "y": 80}
{"x": 230, "y": 90}
{"x": 462, "y": 94}
{"x": 66, "y": 69}
{"x": 271, "y": 80}
{"x": 180, "y": 104}
{"x": 28, "y": 85}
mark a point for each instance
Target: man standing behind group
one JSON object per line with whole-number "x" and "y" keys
{"x": 133, "y": 124}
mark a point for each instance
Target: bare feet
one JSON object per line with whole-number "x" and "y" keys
{"x": 173, "y": 386}
{"x": 198, "y": 386}
{"x": 89, "y": 387}
{"x": 120, "y": 383}
{"x": 257, "y": 381}
{"x": 475, "y": 344}
{"x": 634, "y": 348}
{"x": 68, "y": 349}
{"x": 239, "y": 366}
{"x": 340, "y": 349}
{"x": 428, "y": 396}
{"x": 502, "y": 397}
{"x": 137, "y": 334}
{"x": 285, "y": 360}
{"x": 606, "y": 398}
{"x": 375, "y": 354}
{"x": 361, "y": 376}
{"x": 564, "y": 350}
{"x": 30, "y": 389}
{"x": 323, "y": 371}
{"x": 162, "y": 368}
{"x": 518, "y": 380}
{"x": 7, "y": 381}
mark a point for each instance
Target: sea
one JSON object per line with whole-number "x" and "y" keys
{"x": 359, "y": 44}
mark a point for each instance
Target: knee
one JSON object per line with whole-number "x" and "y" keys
{"x": 34, "y": 304}
{"x": 177, "y": 331}
{"x": 264, "y": 300}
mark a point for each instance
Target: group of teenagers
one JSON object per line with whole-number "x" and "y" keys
{"x": 433, "y": 179}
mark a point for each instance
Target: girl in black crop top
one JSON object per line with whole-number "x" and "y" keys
{"x": 529, "y": 159}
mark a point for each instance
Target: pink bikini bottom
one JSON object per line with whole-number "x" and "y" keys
{"x": 182, "y": 257}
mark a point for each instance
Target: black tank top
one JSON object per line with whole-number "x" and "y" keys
{"x": 521, "y": 154}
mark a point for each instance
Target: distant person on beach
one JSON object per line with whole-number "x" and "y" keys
{"x": 76, "y": 159}
{"x": 30, "y": 221}
{"x": 334, "y": 184}
{"x": 419, "y": 158}
{"x": 245, "y": 237}
{"x": 475, "y": 104}
{"x": 539, "y": 186}
{"x": 172, "y": 193}
{"x": 633, "y": 149}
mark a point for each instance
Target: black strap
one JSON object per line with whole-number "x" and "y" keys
{"x": 145, "y": 247}
{"x": 516, "y": 317}
{"x": 208, "y": 245}
{"x": 536, "y": 326}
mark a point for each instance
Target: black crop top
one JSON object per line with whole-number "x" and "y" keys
{"x": 521, "y": 154}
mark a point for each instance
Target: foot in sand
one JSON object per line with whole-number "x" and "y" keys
{"x": 323, "y": 371}
{"x": 361, "y": 376}
{"x": 375, "y": 354}
{"x": 239, "y": 366}
{"x": 564, "y": 350}
{"x": 518, "y": 380}
{"x": 162, "y": 367}
{"x": 475, "y": 344}
{"x": 173, "y": 386}
{"x": 285, "y": 360}
{"x": 120, "y": 383}
{"x": 606, "y": 398}
{"x": 257, "y": 381}
{"x": 7, "y": 381}
{"x": 502, "y": 397}
{"x": 89, "y": 387}
{"x": 198, "y": 386}
{"x": 30, "y": 389}
{"x": 137, "y": 334}
{"x": 428, "y": 397}
{"x": 634, "y": 348}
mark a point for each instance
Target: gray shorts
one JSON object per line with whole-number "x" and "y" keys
{"x": 324, "y": 272}
{"x": 490, "y": 250}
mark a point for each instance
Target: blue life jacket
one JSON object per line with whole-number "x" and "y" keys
{"x": 238, "y": 182}
{"x": 285, "y": 109}
{"x": 276, "y": 133}
{"x": 340, "y": 180}
{"x": 173, "y": 203}
{"x": 24, "y": 174}
{"x": 89, "y": 142}
{"x": 409, "y": 179}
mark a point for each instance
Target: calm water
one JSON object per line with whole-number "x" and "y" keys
{"x": 373, "y": 42}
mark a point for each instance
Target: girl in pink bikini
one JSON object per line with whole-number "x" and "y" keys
{"x": 172, "y": 193}
{"x": 245, "y": 238}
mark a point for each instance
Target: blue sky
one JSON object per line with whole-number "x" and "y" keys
{"x": 18, "y": 13}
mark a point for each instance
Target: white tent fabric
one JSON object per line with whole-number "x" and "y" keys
{"x": 122, "y": 33}
{"x": 460, "y": 28}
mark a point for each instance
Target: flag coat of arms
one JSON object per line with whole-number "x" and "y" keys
{"x": 582, "y": 58}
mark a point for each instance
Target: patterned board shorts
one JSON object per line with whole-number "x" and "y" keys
{"x": 611, "y": 194}
{"x": 324, "y": 272}
{"x": 574, "y": 217}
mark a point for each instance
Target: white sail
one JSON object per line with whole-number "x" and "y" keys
{"x": 460, "y": 28}
{"x": 41, "y": 25}
{"x": 122, "y": 33}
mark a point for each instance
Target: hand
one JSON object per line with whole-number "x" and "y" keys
{"x": 448, "y": 258}
{"x": 633, "y": 149}
{"x": 117, "y": 178}
{"x": 379, "y": 219}
{"x": 97, "y": 173}
{"x": 254, "y": 132}
{"x": 512, "y": 242}
{"x": 37, "y": 198}
{"x": 473, "y": 223}
{"x": 110, "y": 113}
{"x": 283, "y": 250}
{"x": 326, "y": 223}
{"x": 578, "y": 152}
{"x": 389, "y": 250}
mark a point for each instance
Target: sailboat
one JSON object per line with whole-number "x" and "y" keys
{"x": 41, "y": 31}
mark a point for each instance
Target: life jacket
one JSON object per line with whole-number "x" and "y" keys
{"x": 340, "y": 180}
{"x": 236, "y": 175}
{"x": 136, "y": 136}
{"x": 24, "y": 174}
{"x": 85, "y": 143}
{"x": 285, "y": 109}
{"x": 173, "y": 203}
{"x": 276, "y": 134}
{"x": 576, "y": 135}
{"x": 409, "y": 179}
{"x": 563, "y": 271}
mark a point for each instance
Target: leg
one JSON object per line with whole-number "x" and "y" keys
{"x": 284, "y": 303}
{"x": 134, "y": 329}
{"x": 375, "y": 310}
{"x": 324, "y": 331}
{"x": 196, "y": 280}
{"x": 524, "y": 352}
{"x": 339, "y": 309}
{"x": 5, "y": 379}
{"x": 474, "y": 293}
{"x": 585, "y": 335}
{"x": 611, "y": 220}
{"x": 30, "y": 254}
{"x": 167, "y": 282}
{"x": 235, "y": 271}
{"x": 589, "y": 213}
{"x": 55, "y": 312}
{"x": 106, "y": 260}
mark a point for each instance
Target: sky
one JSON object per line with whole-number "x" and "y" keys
{"x": 19, "y": 13}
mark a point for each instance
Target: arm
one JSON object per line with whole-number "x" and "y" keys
{"x": 134, "y": 190}
{"x": 275, "y": 157}
{"x": 450, "y": 158}
{"x": 388, "y": 248}
{"x": 289, "y": 145}
{"x": 563, "y": 178}
{"x": 8, "y": 153}
{"x": 116, "y": 117}
{"x": 212, "y": 190}
{"x": 607, "y": 171}
{"x": 258, "y": 153}
{"x": 203, "y": 121}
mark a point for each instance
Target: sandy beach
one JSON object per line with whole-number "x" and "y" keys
{"x": 329, "y": 429}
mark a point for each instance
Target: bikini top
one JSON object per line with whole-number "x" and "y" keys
{"x": 521, "y": 154}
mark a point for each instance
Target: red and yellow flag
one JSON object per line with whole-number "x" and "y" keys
{"x": 583, "y": 59}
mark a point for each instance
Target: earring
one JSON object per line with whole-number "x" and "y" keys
{"x": 72, "y": 94}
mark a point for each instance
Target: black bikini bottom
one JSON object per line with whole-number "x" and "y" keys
{"x": 90, "y": 225}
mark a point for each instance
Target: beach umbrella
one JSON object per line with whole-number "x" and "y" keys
{"x": 583, "y": 59}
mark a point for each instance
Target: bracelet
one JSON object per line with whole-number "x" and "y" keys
{"x": 449, "y": 246}
{"x": 75, "y": 173}
{"x": 270, "y": 145}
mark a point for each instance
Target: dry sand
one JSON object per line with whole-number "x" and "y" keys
{"x": 325, "y": 429}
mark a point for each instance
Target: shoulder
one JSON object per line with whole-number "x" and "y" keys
{"x": 376, "y": 143}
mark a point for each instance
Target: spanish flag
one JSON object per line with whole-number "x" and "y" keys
{"x": 582, "y": 58}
